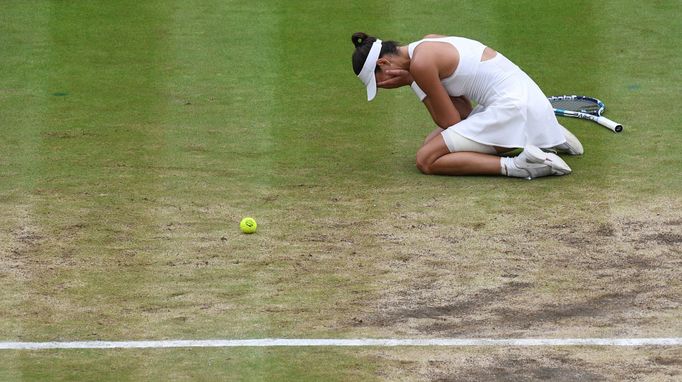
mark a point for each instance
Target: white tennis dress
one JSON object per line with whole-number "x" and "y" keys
{"x": 512, "y": 111}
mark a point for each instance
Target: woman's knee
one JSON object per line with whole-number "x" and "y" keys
{"x": 424, "y": 168}
{"x": 429, "y": 153}
{"x": 424, "y": 162}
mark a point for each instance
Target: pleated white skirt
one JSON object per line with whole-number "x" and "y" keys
{"x": 512, "y": 110}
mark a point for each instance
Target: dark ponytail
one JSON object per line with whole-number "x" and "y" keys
{"x": 363, "y": 44}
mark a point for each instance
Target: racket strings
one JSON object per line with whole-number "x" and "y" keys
{"x": 579, "y": 105}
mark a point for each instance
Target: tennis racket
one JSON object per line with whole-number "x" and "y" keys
{"x": 583, "y": 107}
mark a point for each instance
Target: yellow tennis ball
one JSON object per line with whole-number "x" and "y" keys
{"x": 248, "y": 225}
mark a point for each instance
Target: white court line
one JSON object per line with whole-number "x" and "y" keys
{"x": 358, "y": 342}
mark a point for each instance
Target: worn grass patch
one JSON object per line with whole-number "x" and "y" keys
{"x": 524, "y": 364}
{"x": 135, "y": 135}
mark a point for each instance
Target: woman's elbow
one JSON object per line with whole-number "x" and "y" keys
{"x": 463, "y": 106}
{"x": 445, "y": 123}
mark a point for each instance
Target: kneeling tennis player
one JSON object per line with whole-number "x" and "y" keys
{"x": 447, "y": 73}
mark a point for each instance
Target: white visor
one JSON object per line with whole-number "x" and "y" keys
{"x": 367, "y": 73}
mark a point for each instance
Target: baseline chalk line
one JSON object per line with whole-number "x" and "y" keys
{"x": 358, "y": 342}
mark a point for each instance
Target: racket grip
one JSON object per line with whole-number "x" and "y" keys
{"x": 609, "y": 124}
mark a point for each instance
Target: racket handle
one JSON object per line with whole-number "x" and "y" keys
{"x": 609, "y": 124}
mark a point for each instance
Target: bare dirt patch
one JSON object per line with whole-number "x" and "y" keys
{"x": 19, "y": 239}
{"x": 570, "y": 277}
{"x": 536, "y": 364}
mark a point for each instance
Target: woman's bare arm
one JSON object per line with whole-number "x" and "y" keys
{"x": 463, "y": 106}
{"x": 437, "y": 101}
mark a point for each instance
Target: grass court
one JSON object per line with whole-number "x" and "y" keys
{"x": 134, "y": 136}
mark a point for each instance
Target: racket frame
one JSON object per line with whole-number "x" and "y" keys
{"x": 597, "y": 117}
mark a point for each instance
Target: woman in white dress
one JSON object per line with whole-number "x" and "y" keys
{"x": 447, "y": 73}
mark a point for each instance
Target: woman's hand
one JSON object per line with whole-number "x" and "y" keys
{"x": 395, "y": 79}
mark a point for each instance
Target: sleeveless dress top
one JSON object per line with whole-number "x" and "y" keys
{"x": 511, "y": 109}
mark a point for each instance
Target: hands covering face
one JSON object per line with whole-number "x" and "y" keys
{"x": 393, "y": 78}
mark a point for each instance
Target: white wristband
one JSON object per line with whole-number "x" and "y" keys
{"x": 418, "y": 91}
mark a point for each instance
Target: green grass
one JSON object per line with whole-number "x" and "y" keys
{"x": 135, "y": 135}
{"x": 185, "y": 365}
